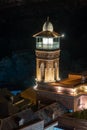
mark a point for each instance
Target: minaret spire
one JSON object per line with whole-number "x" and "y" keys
{"x": 48, "y": 19}
{"x": 47, "y": 22}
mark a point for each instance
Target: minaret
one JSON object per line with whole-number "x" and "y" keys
{"x": 47, "y": 54}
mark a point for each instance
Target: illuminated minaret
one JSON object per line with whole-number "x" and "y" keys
{"x": 47, "y": 54}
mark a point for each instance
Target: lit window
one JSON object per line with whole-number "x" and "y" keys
{"x": 50, "y": 40}
{"x": 45, "y": 40}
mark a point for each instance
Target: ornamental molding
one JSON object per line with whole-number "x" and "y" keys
{"x": 47, "y": 55}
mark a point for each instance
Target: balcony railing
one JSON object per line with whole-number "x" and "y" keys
{"x": 47, "y": 46}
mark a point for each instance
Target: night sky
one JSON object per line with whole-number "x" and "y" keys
{"x": 19, "y": 23}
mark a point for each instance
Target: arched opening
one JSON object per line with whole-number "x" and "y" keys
{"x": 42, "y": 71}
{"x": 55, "y": 73}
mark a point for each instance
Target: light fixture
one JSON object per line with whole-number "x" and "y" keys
{"x": 62, "y": 35}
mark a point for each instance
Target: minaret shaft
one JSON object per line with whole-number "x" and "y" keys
{"x": 47, "y": 65}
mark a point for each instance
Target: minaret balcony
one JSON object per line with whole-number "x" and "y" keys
{"x": 49, "y": 46}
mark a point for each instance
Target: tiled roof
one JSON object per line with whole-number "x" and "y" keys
{"x": 28, "y": 115}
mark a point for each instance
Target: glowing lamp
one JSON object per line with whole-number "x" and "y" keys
{"x": 59, "y": 89}
{"x": 62, "y": 35}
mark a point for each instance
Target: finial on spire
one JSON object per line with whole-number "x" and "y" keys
{"x": 48, "y": 19}
{"x": 48, "y": 25}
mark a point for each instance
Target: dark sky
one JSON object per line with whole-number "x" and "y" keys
{"x": 18, "y": 24}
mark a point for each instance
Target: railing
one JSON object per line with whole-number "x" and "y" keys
{"x": 47, "y": 46}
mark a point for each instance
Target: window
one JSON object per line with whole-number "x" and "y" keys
{"x": 38, "y": 39}
{"x": 47, "y": 40}
{"x": 50, "y": 40}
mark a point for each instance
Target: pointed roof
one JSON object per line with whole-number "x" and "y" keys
{"x": 47, "y": 30}
{"x": 48, "y": 26}
{"x": 46, "y": 34}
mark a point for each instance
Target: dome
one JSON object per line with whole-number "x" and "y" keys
{"x": 48, "y": 26}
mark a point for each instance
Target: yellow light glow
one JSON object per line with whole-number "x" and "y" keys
{"x": 73, "y": 91}
{"x": 85, "y": 88}
{"x": 59, "y": 79}
{"x": 59, "y": 89}
{"x": 35, "y": 87}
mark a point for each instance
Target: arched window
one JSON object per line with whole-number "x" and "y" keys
{"x": 42, "y": 71}
{"x": 55, "y": 66}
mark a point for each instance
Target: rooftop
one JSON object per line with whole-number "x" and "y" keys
{"x": 73, "y": 85}
{"x": 46, "y": 34}
{"x": 47, "y": 30}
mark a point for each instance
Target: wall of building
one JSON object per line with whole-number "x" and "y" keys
{"x": 67, "y": 101}
{"x": 80, "y": 102}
